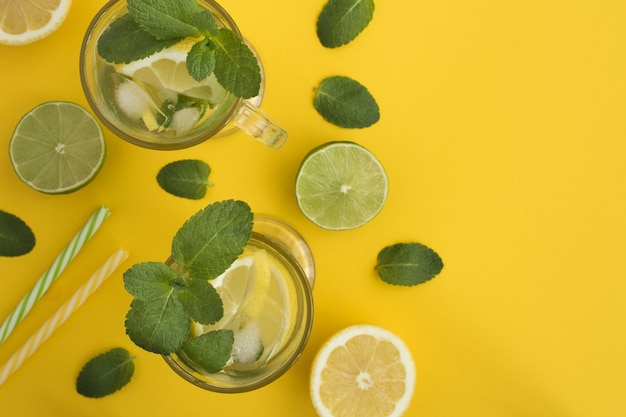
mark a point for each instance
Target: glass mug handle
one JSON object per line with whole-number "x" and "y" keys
{"x": 256, "y": 123}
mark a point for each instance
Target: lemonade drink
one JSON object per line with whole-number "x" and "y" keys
{"x": 268, "y": 305}
{"x": 156, "y": 98}
{"x": 149, "y": 97}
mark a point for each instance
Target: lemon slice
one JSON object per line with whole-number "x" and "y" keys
{"x": 242, "y": 288}
{"x": 364, "y": 371}
{"x": 26, "y": 21}
{"x": 166, "y": 71}
{"x": 341, "y": 185}
{"x": 56, "y": 148}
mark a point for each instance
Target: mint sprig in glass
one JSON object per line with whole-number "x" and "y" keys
{"x": 169, "y": 75}
{"x": 231, "y": 309}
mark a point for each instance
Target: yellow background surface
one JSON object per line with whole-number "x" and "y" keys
{"x": 503, "y": 133}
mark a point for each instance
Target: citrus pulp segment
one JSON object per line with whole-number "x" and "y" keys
{"x": 341, "y": 185}
{"x": 364, "y": 371}
{"x": 26, "y": 21}
{"x": 166, "y": 71}
{"x": 57, "y": 147}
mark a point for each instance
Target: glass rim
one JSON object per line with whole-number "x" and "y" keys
{"x": 95, "y": 107}
{"x": 307, "y": 325}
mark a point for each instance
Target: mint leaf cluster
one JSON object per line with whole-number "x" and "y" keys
{"x": 152, "y": 25}
{"x": 341, "y": 100}
{"x": 168, "y": 296}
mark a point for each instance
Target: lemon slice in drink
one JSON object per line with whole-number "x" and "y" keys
{"x": 26, "y": 21}
{"x": 242, "y": 288}
{"x": 256, "y": 308}
{"x": 57, "y": 148}
{"x": 341, "y": 185}
{"x": 167, "y": 72}
{"x": 364, "y": 371}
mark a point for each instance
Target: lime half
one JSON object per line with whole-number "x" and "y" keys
{"x": 57, "y": 148}
{"x": 341, "y": 185}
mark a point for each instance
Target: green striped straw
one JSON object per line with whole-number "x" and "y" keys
{"x": 52, "y": 273}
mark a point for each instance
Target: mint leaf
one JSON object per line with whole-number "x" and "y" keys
{"x": 211, "y": 350}
{"x": 148, "y": 280}
{"x": 159, "y": 325}
{"x": 187, "y": 178}
{"x": 16, "y": 238}
{"x": 201, "y": 60}
{"x": 205, "y": 21}
{"x": 408, "y": 264}
{"x": 342, "y": 20}
{"x": 201, "y": 301}
{"x": 212, "y": 239}
{"x": 346, "y": 103}
{"x": 105, "y": 374}
{"x": 236, "y": 67}
{"x": 165, "y": 19}
{"x": 125, "y": 41}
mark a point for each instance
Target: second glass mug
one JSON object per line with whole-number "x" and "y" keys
{"x": 291, "y": 261}
{"x": 100, "y": 80}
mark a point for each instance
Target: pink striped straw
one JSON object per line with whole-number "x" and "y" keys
{"x": 62, "y": 314}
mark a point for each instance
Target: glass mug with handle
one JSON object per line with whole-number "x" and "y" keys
{"x": 153, "y": 101}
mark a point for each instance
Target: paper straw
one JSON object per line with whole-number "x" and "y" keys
{"x": 62, "y": 314}
{"x": 52, "y": 273}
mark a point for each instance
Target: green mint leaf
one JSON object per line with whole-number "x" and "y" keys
{"x": 165, "y": 19}
{"x": 201, "y": 301}
{"x": 212, "y": 239}
{"x": 187, "y": 178}
{"x": 342, "y": 20}
{"x": 201, "y": 60}
{"x": 159, "y": 325}
{"x": 211, "y": 350}
{"x": 16, "y": 238}
{"x": 408, "y": 264}
{"x": 105, "y": 374}
{"x": 205, "y": 21}
{"x": 125, "y": 41}
{"x": 346, "y": 103}
{"x": 148, "y": 280}
{"x": 236, "y": 67}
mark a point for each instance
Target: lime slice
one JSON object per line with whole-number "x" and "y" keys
{"x": 57, "y": 148}
{"x": 341, "y": 185}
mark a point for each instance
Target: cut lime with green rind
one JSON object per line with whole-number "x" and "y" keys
{"x": 341, "y": 185}
{"x": 57, "y": 147}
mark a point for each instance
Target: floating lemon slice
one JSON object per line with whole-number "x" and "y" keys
{"x": 167, "y": 70}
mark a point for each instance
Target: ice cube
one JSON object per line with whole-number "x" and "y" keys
{"x": 133, "y": 100}
{"x": 185, "y": 119}
{"x": 248, "y": 346}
